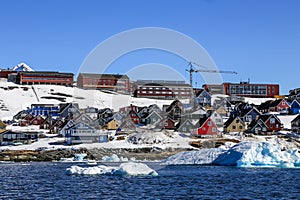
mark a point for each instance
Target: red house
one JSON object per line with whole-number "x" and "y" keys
{"x": 207, "y": 128}
{"x": 38, "y": 120}
{"x": 265, "y": 124}
{"x": 279, "y": 105}
{"x": 168, "y": 123}
{"x": 134, "y": 116}
{"x": 26, "y": 120}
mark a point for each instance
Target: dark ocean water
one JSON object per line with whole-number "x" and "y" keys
{"x": 49, "y": 181}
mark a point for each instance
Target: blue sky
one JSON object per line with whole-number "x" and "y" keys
{"x": 259, "y": 39}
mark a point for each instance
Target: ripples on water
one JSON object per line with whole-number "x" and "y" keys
{"x": 49, "y": 181}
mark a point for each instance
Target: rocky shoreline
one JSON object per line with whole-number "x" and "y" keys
{"x": 149, "y": 154}
{"x": 141, "y": 154}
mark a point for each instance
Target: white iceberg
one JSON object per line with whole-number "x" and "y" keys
{"x": 201, "y": 157}
{"x": 101, "y": 169}
{"x": 135, "y": 169}
{"x": 245, "y": 154}
{"x": 130, "y": 168}
{"x": 114, "y": 158}
{"x": 269, "y": 155}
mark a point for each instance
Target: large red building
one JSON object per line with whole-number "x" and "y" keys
{"x": 109, "y": 82}
{"x": 244, "y": 89}
{"x": 39, "y": 77}
{"x": 4, "y": 73}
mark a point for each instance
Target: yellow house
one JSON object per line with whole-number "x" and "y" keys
{"x": 222, "y": 111}
{"x": 234, "y": 125}
{"x": 112, "y": 125}
{"x": 2, "y": 127}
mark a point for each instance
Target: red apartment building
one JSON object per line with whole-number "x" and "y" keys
{"x": 39, "y": 77}
{"x": 244, "y": 89}
{"x": 109, "y": 82}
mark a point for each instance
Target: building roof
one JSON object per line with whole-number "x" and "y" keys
{"x": 45, "y": 73}
{"x": 275, "y": 103}
{"x": 162, "y": 83}
{"x": 202, "y": 120}
{"x": 103, "y": 76}
{"x": 265, "y": 105}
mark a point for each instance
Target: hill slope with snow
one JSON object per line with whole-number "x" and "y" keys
{"x": 14, "y": 98}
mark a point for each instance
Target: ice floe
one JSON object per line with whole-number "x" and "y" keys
{"x": 129, "y": 168}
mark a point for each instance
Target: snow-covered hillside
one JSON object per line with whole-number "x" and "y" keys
{"x": 14, "y": 98}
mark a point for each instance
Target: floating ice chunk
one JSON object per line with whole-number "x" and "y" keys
{"x": 130, "y": 168}
{"x": 135, "y": 169}
{"x": 101, "y": 169}
{"x": 114, "y": 158}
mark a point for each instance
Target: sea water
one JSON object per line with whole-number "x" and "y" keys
{"x": 50, "y": 181}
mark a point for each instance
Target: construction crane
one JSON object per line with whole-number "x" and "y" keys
{"x": 192, "y": 69}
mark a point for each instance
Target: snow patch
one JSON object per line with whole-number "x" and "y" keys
{"x": 130, "y": 168}
{"x": 148, "y": 138}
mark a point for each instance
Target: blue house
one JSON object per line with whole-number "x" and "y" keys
{"x": 295, "y": 107}
{"x": 203, "y": 98}
{"x": 84, "y": 133}
{"x": 44, "y": 110}
{"x": 69, "y": 110}
{"x": 248, "y": 115}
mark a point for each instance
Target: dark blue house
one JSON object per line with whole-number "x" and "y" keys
{"x": 44, "y": 110}
{"x": 248, "y": 115}
{"x": 295, "y": 107}
{"x": 203, "y": 98}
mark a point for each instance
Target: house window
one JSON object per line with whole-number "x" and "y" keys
{"x": 277, "y": 126}
{"x": 166, "y": 124}
{"x": 184, "y": 129}
{"x": 209, "y": 123}
{"x": 240, "y": 127}
{"x": 233, "y": 127}
{"x": 264, "y": 129}
{"x": 272, "y": 120}
{"x": 214, "y": 130}
{"x": 249, "y": 118}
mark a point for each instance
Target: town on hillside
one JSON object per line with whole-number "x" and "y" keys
{"x": 211, "y": 111}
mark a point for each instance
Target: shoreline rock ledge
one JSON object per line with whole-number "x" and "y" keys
{"x": 149, "y": 154}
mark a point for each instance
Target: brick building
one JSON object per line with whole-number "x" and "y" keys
{"x": 245, "y": 89}
{"x": 40, "y": 77}
{"x": 110, "y": 82}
